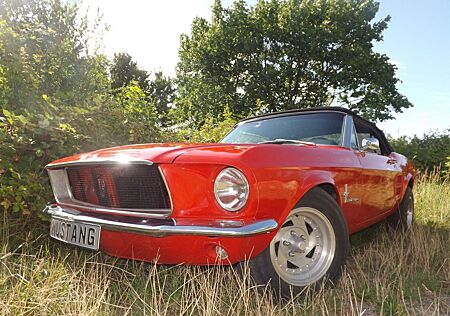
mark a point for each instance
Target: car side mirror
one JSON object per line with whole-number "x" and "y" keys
{"x": 370, "y": 144}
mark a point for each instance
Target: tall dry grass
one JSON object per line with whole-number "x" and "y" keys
{"x": 388, "y": 273}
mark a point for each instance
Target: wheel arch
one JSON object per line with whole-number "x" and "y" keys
{"x": 411, "y": 182}
{"x": 322, "y": 181}
{"x": 408, "y": 183}
{"x": 331, "y": 189}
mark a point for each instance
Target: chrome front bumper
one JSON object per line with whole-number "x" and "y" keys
{"x": 161, "y": 228}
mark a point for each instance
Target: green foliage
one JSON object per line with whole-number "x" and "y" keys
{"x": 27, "y": 143}
{"x": 46, "y": 75}
{"x": 159, "y": 91}
{"x": 124, "y": 70}
{"x": 139, "y": 116}
{"x": 44, "y": 51}
{"x": 212, "y": 130}
{"x": 428, "y": 152}
{"x": 56, "y": 100}
{"x": 287, "y": 54}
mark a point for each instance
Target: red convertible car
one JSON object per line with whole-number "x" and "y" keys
{"x": 281, "y": 191}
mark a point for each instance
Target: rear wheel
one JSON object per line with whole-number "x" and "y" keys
{"x": 403, "y": 218}
{"x": 310, "y": 246}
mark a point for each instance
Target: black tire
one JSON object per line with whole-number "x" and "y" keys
{"x": 403, "y": 217}
{"x": 262, "y": 268}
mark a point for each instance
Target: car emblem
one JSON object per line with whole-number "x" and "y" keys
{"x": 347, "y": 198}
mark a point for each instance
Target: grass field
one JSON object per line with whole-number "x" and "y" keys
{"x": 387, "y": 273}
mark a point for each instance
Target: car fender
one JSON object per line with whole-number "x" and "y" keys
{"x": 312, "y": 179}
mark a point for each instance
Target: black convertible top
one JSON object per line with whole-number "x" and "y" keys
{"x": 315, "y": 109}
{"x": 321, "y": 109}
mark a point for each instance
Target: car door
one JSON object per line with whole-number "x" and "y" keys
{"x": 379, "y": 173}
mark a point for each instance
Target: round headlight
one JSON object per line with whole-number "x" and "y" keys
{"x": 231, "y": 189}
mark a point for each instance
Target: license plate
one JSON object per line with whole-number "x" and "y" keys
{"x": 79, "y": 234}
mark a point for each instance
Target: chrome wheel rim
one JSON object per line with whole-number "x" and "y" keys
{"x": 409, "y": 213}
{"x": 304, "y": 247}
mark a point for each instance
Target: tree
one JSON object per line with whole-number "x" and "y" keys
{"x": 284, "y": 54}
{"x": 124, "y": 71}
{"x": 139, "y": 117}
{"x": 161, "y": 94}
{"x": 159, "y": 89}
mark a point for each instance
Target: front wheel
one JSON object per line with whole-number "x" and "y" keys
{"x": 310, "y": 246}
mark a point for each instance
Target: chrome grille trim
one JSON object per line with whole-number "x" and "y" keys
{"x": 167, "y": 187}
{"x": 100, "y": 161}
{"x": 65, "y": 196}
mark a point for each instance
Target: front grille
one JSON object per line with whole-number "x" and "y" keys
{"x": 132, "y": 186}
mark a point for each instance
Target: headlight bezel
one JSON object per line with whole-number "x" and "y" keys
{"x": 242, "y": 183}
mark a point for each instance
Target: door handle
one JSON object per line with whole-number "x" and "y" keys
{"x": 392, "y": 161}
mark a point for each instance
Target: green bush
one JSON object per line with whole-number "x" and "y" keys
{"x": 27, "y": 144}
{"x": 56, "y": 100}
{"x": 429, "y": 152}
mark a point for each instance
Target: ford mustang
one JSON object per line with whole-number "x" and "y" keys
{"x": 281, "y": 192}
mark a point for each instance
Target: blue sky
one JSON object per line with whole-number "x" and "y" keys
{"x": 417, "y": 41}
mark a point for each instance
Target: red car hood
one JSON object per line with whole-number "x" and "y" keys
{"x": 157, "y": 153}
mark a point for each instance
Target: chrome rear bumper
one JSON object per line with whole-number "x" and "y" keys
{"x": 161, "y": 228}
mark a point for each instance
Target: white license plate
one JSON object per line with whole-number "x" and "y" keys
{"x": 80, "y": 234}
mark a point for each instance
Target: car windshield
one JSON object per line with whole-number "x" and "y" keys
{"x": 317, "y": 128}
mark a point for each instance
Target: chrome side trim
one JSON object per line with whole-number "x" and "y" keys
{"x": 347, "y": 133}
{"x": 221, "y": 230}
{"x": 95, "y": 161}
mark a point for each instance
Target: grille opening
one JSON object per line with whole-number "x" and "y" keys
{"x": 119, "y": 186}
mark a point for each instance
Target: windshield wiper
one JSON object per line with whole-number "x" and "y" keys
{"x": 287, "y": 141}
